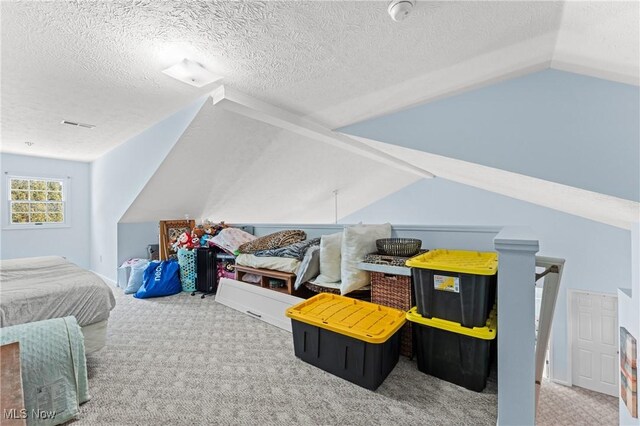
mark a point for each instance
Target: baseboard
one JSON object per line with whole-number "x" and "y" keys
{"x": 561, "y": 382}
{"x": 105, "y": 279}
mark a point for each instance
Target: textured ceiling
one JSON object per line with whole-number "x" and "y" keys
{"x": 601, "y": 39}
{"x": 100, "y": 62}
{"x": 267, "y": 175}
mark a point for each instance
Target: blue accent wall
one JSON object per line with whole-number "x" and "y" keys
{"x": 558, "y": 126}
{"x": 70, "y": 241}
{"x": 554, "y": 125}
{"x": 598, "y": 256}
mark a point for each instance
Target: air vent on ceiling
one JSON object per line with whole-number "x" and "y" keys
{"x": 73, "y": 123}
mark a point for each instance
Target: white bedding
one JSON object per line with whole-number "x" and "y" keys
{"x": 283, "y": 264}
{"x": 39, "y": 288}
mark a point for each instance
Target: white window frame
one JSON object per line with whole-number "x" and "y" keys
{"x": 6, "y": 217}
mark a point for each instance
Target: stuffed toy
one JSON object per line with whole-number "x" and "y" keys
{"x": 195, "y": 240}
{"x": 183, "y": 242}
{"x": 204, "y": 241}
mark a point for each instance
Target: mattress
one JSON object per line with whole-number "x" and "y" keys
{"x": 40, "y": 288}
{"x": 282, "y": 264}
{"x": 95, "y": 336}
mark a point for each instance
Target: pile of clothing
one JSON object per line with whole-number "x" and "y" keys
{"x": 285, "y": 251}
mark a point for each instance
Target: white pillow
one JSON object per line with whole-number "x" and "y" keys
{"x": 330, "y": 248}
{"x": 357, "y": 241}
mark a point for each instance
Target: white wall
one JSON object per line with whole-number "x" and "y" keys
{"x": 598, "y": 256}
{"x": 71, "y": 242}
{"x": 118, "y": 177}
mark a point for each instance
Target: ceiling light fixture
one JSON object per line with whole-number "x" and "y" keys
{"x": 399, "y": 9}
{"x": 192, "y": 73}
{"x": 28, "y": 143}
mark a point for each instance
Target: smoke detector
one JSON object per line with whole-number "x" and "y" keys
{"x": 399, "y": 9}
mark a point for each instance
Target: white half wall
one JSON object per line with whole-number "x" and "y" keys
{"x": 598, "y": 256}
{"x": 118, "y": 177}
{"x": 133, "y": 239}
{"x": 71, "y": 242}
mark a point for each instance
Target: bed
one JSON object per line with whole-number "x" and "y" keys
{"x": 40, "y": 288}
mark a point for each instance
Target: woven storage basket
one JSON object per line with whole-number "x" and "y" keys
{"x": 363, "y": 294}
{"x": 187, "y": 262}
{"x": 394, "y": 291}
{"x": 406, "y": 247}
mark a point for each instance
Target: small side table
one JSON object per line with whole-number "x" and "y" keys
{"x": 11, "y": 395}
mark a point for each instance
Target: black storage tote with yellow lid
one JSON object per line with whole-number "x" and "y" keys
{"x": 352, "y": 339}
{"x": 454, "y": 353}
{"x": 455, "y": 285}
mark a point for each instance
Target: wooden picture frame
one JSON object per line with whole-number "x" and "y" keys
{"x": 170, "y": 229}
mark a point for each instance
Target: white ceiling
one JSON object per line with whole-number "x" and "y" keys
{"x": 267, "y": 175}
{"x": 338, "y": 62}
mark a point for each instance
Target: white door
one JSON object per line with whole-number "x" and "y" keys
{"x": 594, "y": 331}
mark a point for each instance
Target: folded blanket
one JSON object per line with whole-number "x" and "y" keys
{"x": 54, "y": 368}
{"x": 282, "y": 264}
{"x": 294, "y": 251}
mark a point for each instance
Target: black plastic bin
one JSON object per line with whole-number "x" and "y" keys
{"x": 443, "y": 351}
{"x": 321, "y": 328}
{"x": 455, "y": 285}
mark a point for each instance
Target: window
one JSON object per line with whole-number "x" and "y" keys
{"x": 36, "y": 201}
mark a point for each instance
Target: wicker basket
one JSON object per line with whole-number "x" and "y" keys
{"x": 362, "y": 294}
{"x": 394, "y": 291}
{"x": 405, "y": 247}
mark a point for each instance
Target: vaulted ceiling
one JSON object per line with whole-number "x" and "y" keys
{"x": 336, "y": 61}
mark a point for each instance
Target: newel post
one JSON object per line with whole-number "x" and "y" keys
{"x": 517, "y": 248}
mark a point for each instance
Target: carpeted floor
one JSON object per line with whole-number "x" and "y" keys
{"x": 564, "y": 406}
{"x": 185, "y": 360}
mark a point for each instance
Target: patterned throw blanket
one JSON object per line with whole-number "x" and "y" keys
{"x": 294, "y": 251}
{"x": 54, "y": 369}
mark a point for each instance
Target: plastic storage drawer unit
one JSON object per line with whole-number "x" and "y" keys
{"x": 455, "y": 285}
{"x": 352, "y": 339}
{"x": 454, "y": 353}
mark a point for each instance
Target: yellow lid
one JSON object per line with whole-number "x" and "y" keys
{"x": 485, "y": 333}
{"x": 354, "y": 318}
{"x": 467, "y": 262}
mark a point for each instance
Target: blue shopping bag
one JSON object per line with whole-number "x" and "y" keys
{"x": 160, "y": 279}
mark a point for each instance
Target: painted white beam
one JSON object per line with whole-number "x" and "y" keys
{"x": 247, "y": 106}
{"x": 591, "y": 205}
